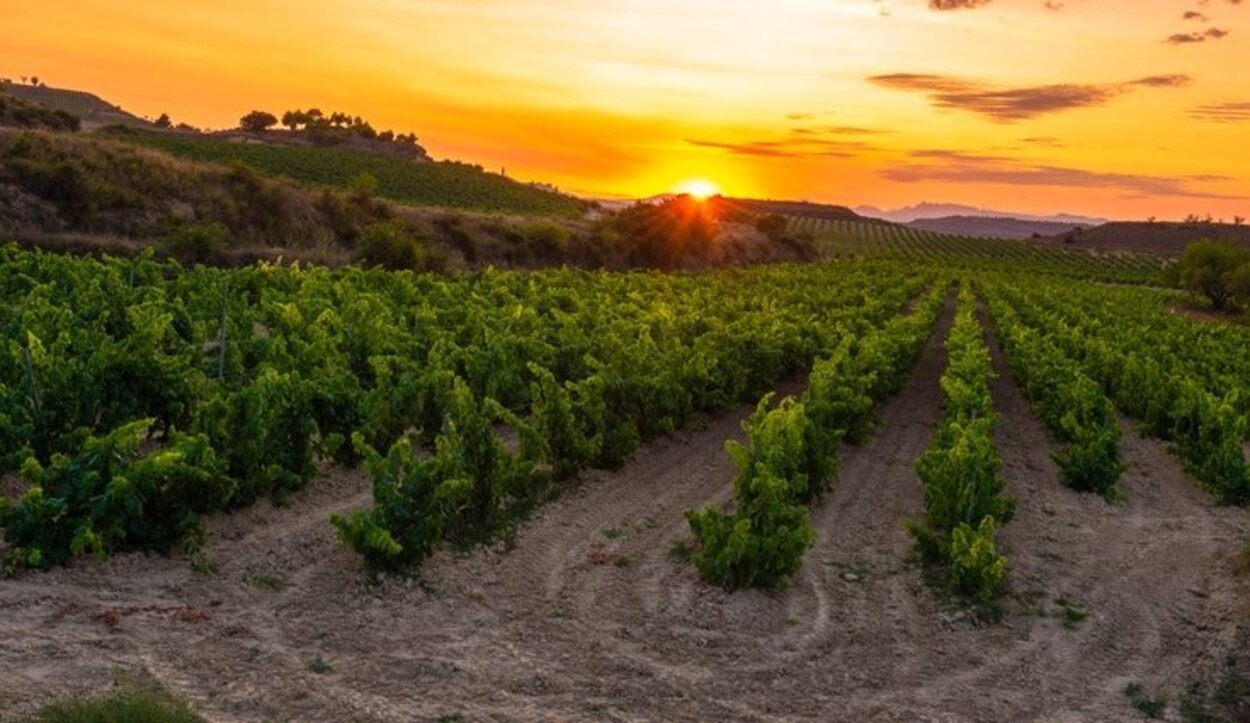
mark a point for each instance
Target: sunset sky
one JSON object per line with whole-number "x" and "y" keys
{"x": 1120, "y": 108}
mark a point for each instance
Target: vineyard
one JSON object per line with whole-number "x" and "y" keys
{"x": 445, "y": 184}
{"x": 738, "y": 494}
{"x": 841, "y": 238}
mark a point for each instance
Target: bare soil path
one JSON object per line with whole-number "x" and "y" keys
{"x": 587, "y": 614}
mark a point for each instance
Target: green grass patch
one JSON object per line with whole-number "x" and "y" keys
{"x": 122, "y": 706}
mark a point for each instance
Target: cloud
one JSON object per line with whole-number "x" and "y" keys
{"x": 1234, "y": 112}
{"x": 784, "y": 149}
{"x": 1161, "y": 81}
{"x": 837, "y": 131}
{"x": 965, "y": 167}
{"x": 1045, "y": 142}
{"x": 1194, "y": 15}
{"x": 957, "y": 4}
{"x": 1014, "y": 104}
{"x": 1197, "y": 37}
{"x": 831, "y": 141}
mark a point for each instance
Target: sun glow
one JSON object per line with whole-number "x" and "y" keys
{"x": 699, "y": 188}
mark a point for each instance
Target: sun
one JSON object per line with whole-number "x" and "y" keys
{"x": 699, "y": 188}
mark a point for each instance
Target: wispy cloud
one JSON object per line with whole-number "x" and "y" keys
{"x": 1197, "y": 37}
{"x": 1234, "y": 112}
{"x": 837, "y": 131}
{"x": 966, "y": 167}
{"x": 956, "y": 4}
{"x": 1014, "y": 104}
{"x": 800, "y": 147}
{"x": 1045, "y": 142}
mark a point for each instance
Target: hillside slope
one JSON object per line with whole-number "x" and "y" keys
{"x": 92, "y": 110}
{"x": 445, "y": 184}
{"x": 991, "y": 227}
{"x": 804, "y": 209}
{"x": 91, "y": 193}
{"x": 1158, "y": 238}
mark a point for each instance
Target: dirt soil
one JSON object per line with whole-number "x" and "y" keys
{"x": 588, "y": 615}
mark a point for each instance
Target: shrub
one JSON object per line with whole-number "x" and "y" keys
{"x": 762, "y": 544}
{"x": 976, "y": 567}
{"x": 110, "y": 497}
{"x": 390, "y": 245}
{"x": 363, "y": 186}
{"x": 410, "y": 508}
{"x": 197, "y": 242}
{"x": 266, "y": 431}
{"x": 547, "y": 238}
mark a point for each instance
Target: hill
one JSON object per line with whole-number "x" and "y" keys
{"x": 992, "y": 227}
{"x": 838, "y": 238}
{"x": 445, "y": 184}
{"x": 17, "y": 113}
{"x": 929, "y": 210}
{"x": 92, "y": 110}
{"x": 804, "y": 209}
{"x": 1158, "y": 238}
{"x": 91, "y": 192}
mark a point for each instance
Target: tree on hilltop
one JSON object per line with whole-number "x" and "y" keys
{"x": 293, "y": 119}
{"x": 258, "y": 121}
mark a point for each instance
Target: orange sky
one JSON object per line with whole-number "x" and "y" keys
{"x": 1087, "y": 108}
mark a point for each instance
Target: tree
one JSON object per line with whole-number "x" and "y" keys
{"x": 34, "y": 80}
{"x": 163, "y": 121}
{"x": 257, "y": 121}
{"x": 1208, "y": 268}
{"x": 1239, "y": 285}
{"x": 293, "y": 119}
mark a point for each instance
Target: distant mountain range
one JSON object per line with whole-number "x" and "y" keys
{"x": 994, "y": 227}
{"x": 927, "y": 210}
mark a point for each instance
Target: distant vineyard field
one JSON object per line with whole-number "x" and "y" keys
{"x": 837, "y": 238}
{"x": 445, "y": 184}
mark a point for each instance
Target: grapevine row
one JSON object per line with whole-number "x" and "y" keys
{"x": 790, "y": 456}
{"x": 963, "y": 492}
{"x": 242, "y": 384}
{"x": 1148, "y": 381}
{"x": 1072, "y": 405}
